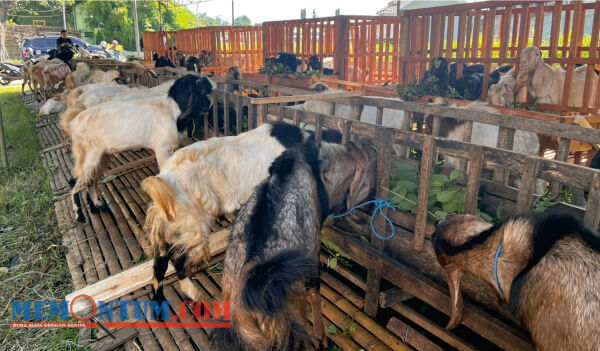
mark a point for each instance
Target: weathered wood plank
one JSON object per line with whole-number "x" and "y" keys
{"x": 423, "y": 195}
{"x": 137, "y": 277}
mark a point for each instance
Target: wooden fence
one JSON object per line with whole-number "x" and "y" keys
{"x": 407, "y": 261}
{"x": 402, "y": 272}
{"x": 378, "y": 49}
{"x": 240, "y": 45}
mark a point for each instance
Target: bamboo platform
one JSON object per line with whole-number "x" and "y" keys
{"x": 110, "y": 243}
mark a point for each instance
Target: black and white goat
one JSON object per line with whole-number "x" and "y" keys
{"x": 274, "y": 245}
{"x": 112, "y": 127}
{"x": 202, "y": 181}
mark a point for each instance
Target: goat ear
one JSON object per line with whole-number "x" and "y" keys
{"x": 453, "y": 275}
{"x": 162, "y": 194}
{"x": 206, "y": 86}
{"x": 363, "y": 180}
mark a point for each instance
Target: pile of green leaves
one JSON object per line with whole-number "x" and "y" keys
{"x": 272, "y": 70}
{"x": 307, "y": 74}
{"x": 446, "y": 195}
{"x": 415, "y": 90}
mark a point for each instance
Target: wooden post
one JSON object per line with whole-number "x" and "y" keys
{"x": 527, "y": 188}
{"x": 216, "y": 116}
{"x": 341, "y": 45}
{"x": 346, "y": 131}
{"x": 226, "y": 111}
{"x": 592, "y": 212}
{"x": 261, "y": 111}
{"x": 562, "y": 154}
{"x": 475, "y": 167}
{"x": 318, "y": 127}
{"x": 384, "y": 164}
{"x": 422, "y": 199}
{"x": 355, "y": 112}
{"x": 506, "y": 137}
{"x": 3, "y": 155}
{"x": 238, "y": 115}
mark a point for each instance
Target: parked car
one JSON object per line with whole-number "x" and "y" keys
{"x": 34, "y": 47}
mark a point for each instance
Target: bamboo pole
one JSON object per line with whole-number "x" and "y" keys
{"x": 3, "y": 155}
{"x": 361, "y": 318}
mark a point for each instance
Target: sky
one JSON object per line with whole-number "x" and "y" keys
{"x": 272, "y": 10}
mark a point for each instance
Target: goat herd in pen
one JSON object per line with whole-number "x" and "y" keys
{"x": 283, "y": 183}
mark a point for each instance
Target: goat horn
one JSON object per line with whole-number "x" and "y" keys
{"x": 453, "y": 275}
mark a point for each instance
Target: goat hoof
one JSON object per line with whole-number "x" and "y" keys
{"x": 72, "y": 182}
{"x": 104, "y": 208}
{"x": 94, "y": 209}
{"x": 80, "y": 217}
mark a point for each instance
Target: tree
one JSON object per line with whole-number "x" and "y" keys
{"x": 4, "y": 5}
{"x": 243, "y": 21}
{"x": 303, "y": 13}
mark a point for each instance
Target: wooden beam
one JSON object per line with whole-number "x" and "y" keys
{"x": 417, "y": 285}
{"x": 134, "y": 278}
{"x": 297, "y": 98}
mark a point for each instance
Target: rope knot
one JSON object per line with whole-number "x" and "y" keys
{"x": 379, "y": 206}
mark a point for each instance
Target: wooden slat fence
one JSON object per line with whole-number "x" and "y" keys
{"x": 379, "y": 49}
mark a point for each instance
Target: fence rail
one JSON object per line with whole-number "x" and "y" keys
{"x": 381, "y": 49}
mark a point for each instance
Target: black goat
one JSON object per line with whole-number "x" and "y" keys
{"x": 275, "y": 241}
{"x": 164, "y": 61}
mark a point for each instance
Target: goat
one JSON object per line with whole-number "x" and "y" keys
{"x": 116, "y": 126}
{"x": 206, "y": 58}
{"x": 164, "y": 61}
{"x": 26, "y": 71}
{"x": 290, "y": 61}
{"x": 82, "y": 52}
{"x": 192, "y": 63}
{"x": 201, "y": 182}
{"x": 36, "y": 76}
{"x": 545, "y": 83}
{"x": 503, "y": 92}
{"x": 81, "y": 76}
{"x": 52, "y": 105}
{"x": 275, "y": 241}
{"x": 100, "y": 76}
{"x": 54, "y": 75}
{"x": 391, "y": 117}
{"x": 525, "y": 143}
{"x": 547, "y": 268}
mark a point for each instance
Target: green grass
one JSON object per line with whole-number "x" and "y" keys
{"x": 32, "y": 260}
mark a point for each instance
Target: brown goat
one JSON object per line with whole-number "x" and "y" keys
{"x": 547, "y": 266}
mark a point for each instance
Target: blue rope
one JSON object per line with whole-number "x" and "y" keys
{"x": 496, "y": 269}
{"x": 379, "y": 206}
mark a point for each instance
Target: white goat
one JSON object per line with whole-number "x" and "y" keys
{"x": 81, "y": 76}
{"x": 503, "y": 92}
{"x": 202, "y": 181}
{"x": 112, "y": 127}
{"x": 546, "y": 83}
{"x": 52, "y": 105}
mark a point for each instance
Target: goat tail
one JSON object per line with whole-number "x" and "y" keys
{"x": 267, "y": 306}
{"x": 160, "y": 213}
{"x": 270, "y": 282}
{"x": 162, "y": 195}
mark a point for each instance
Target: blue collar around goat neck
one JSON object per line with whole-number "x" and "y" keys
{"x": 496, "y": 269}
{"x": 379, "y": 206}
